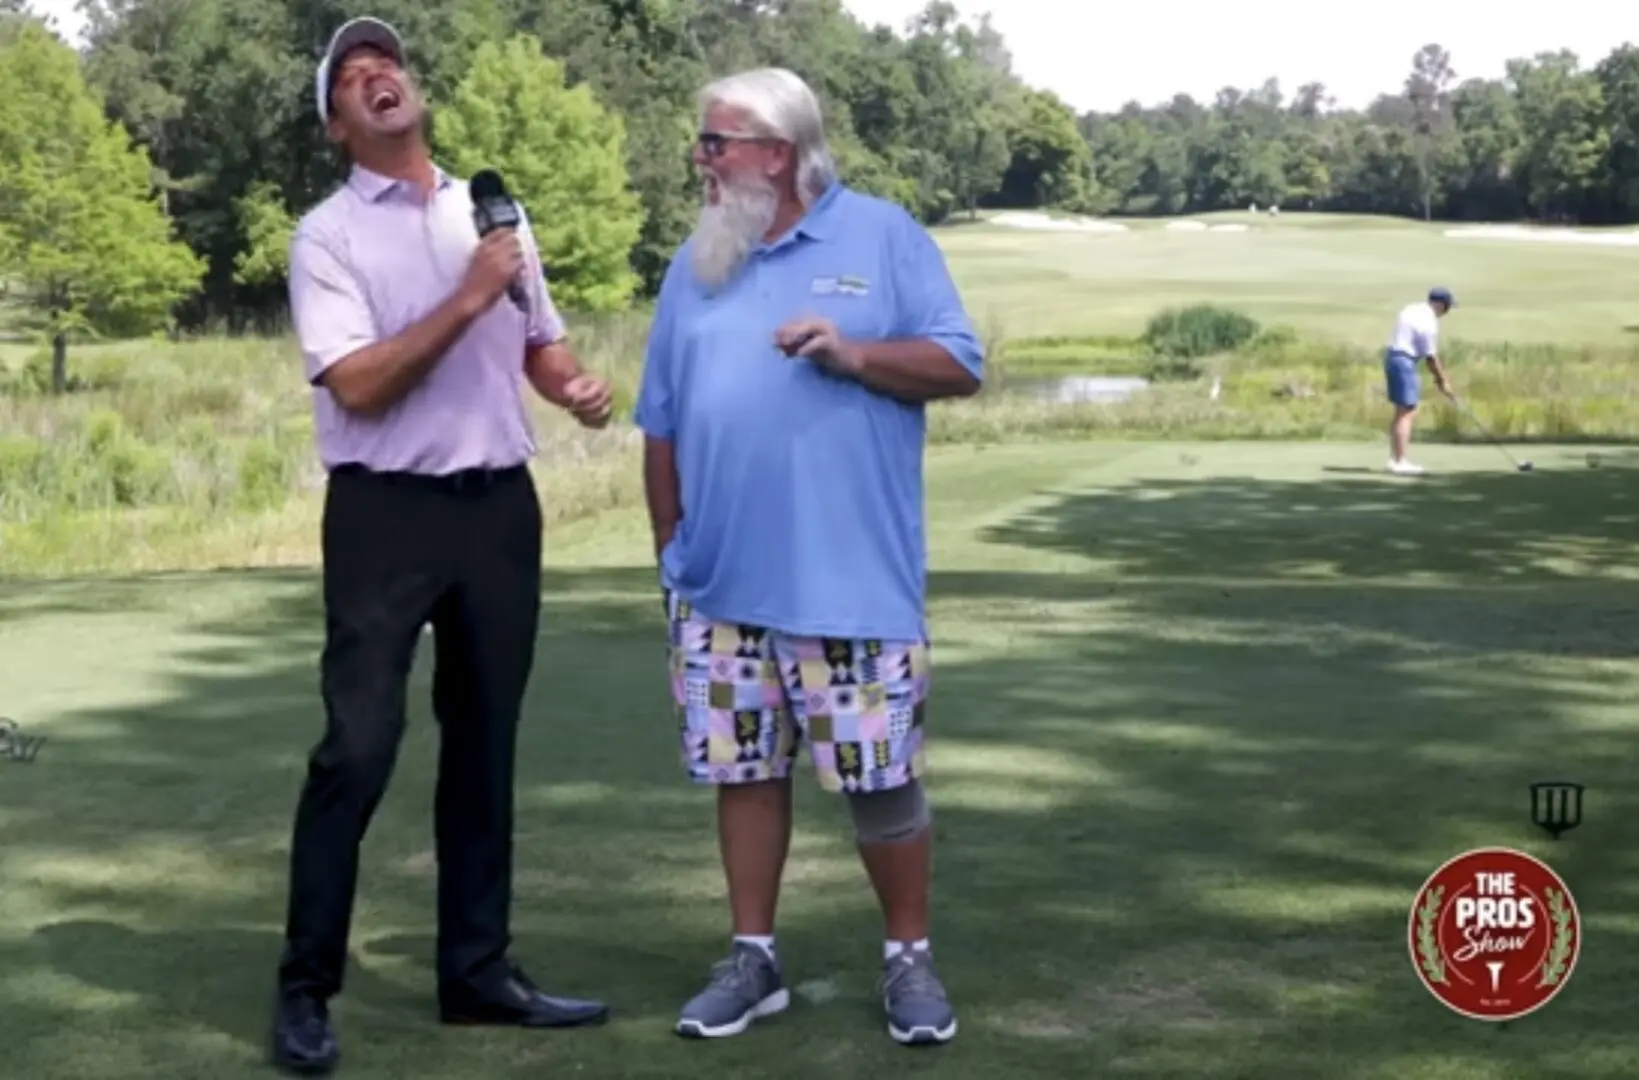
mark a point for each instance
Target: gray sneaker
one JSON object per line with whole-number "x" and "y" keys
{"x": 745, "y": 986}
{"x": 919, "y": 1013}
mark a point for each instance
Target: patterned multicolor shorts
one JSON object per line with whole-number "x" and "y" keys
{"x": 745, "y": 696}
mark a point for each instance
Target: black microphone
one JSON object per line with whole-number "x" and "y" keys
{"x": 493, "y": 208}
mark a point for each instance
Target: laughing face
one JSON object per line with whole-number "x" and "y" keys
{"x": 372, "y": 97}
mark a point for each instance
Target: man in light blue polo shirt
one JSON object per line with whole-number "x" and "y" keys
{"x": 797, "y": 336}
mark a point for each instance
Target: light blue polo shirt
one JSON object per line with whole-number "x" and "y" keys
{"x": 802, "y": 491}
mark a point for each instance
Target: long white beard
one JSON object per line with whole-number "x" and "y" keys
{"x": 727, "y": 231}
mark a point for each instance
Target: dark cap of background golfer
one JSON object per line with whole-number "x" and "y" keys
{"x": 1442, "y": 296}
{"x": 352, "y": 34}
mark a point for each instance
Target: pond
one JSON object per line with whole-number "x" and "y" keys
{"x": 1076, "y": 389}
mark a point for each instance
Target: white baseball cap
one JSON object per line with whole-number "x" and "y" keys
{"x": 353, "y": 33}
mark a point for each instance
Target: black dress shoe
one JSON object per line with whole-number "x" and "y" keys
{"x": 303, "y": 1041}
{"x": 514, "y": 1000}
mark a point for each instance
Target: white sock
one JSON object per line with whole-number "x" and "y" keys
{"x": 766, "y": 944}
{"x": 891, "y": 949}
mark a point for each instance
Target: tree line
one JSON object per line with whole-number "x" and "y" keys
{"x": 192, "y": 142}
{"x": 1549, "y": 140}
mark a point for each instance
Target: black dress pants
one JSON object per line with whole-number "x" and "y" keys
{"x": 400, "y": 551}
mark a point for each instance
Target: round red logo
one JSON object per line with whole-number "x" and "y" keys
{"x": 1494, "y": 934}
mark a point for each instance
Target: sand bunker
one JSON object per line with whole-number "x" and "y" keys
{"x": 1201, "y": 226}
{"x": 1030, "y": 219}
{"x": 1544, "y": 236}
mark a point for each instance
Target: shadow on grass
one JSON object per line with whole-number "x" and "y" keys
{"x": 212, "y": 991}
{"x": 1184, "y": 799}
{"x": 89, "y": 597}
{"x": 1550, "y": 526}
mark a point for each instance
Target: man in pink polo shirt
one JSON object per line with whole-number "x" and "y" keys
{"x": 416, "y": 355}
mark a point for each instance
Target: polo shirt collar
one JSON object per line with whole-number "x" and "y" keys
{"x": 374, "y": 186}
{"x": 817, "y": 223}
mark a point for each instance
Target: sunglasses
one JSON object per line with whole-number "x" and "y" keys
{"x": 715, "y": 143}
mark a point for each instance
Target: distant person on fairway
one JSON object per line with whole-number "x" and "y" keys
{"x": 1416, "y": 338}
{"x": 797, "y": 336}
{"x": 415, "y": 357}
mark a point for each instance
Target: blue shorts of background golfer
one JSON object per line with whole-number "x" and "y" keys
{"x": 1401, "y": 372}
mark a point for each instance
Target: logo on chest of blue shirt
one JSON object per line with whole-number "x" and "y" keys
{"x": 841, "y": 285}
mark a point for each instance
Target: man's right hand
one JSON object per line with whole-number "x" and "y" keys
{"x": 495, "y": 265}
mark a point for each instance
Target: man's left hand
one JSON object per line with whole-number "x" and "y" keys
{"x": 589, "y": 400}
{"x": 819, "y": 341}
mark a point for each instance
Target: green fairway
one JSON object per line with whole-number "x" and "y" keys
{"x": 168, "y": 440}
{"x": 1325, "y": 275}
{"x": 1205, "y": 717}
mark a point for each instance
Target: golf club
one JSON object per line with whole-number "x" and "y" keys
{"x": 1522, "y": 466}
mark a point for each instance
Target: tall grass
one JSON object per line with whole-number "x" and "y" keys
{"x": 223, "y": 424}
{"x": 182, "y": 454}
{"x": 1280, "y": 386}
{"x": 200, "y": 453}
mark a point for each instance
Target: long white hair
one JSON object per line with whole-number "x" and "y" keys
{"x": 777, "y": 104}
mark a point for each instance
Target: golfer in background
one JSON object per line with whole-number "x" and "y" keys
{"x": 416, "y": 357}
{"x": 798, "y": 334}
{"x": 1416, "y": 338}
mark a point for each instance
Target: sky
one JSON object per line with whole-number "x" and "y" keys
{"x": 1098, "y": 55}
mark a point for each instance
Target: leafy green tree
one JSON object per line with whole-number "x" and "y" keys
{"x": 964, "y": 108}
{"x": 563, "y": 156}
{"x": 268, "y": 228}
{"x": 1052, "y": 165}
{"x": 1428, "y": 92}
{"x": 643, "y": 59}
{"x": 1490, "y": 142}
{"x": 1563, "y": 109}
{"x": 80, "y": 229}
{"x": 1618, "y": 76}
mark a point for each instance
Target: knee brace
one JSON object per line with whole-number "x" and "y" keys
{"x": 890, "y": 817}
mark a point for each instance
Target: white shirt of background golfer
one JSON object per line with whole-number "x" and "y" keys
{"x": 1416, "y": 331}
